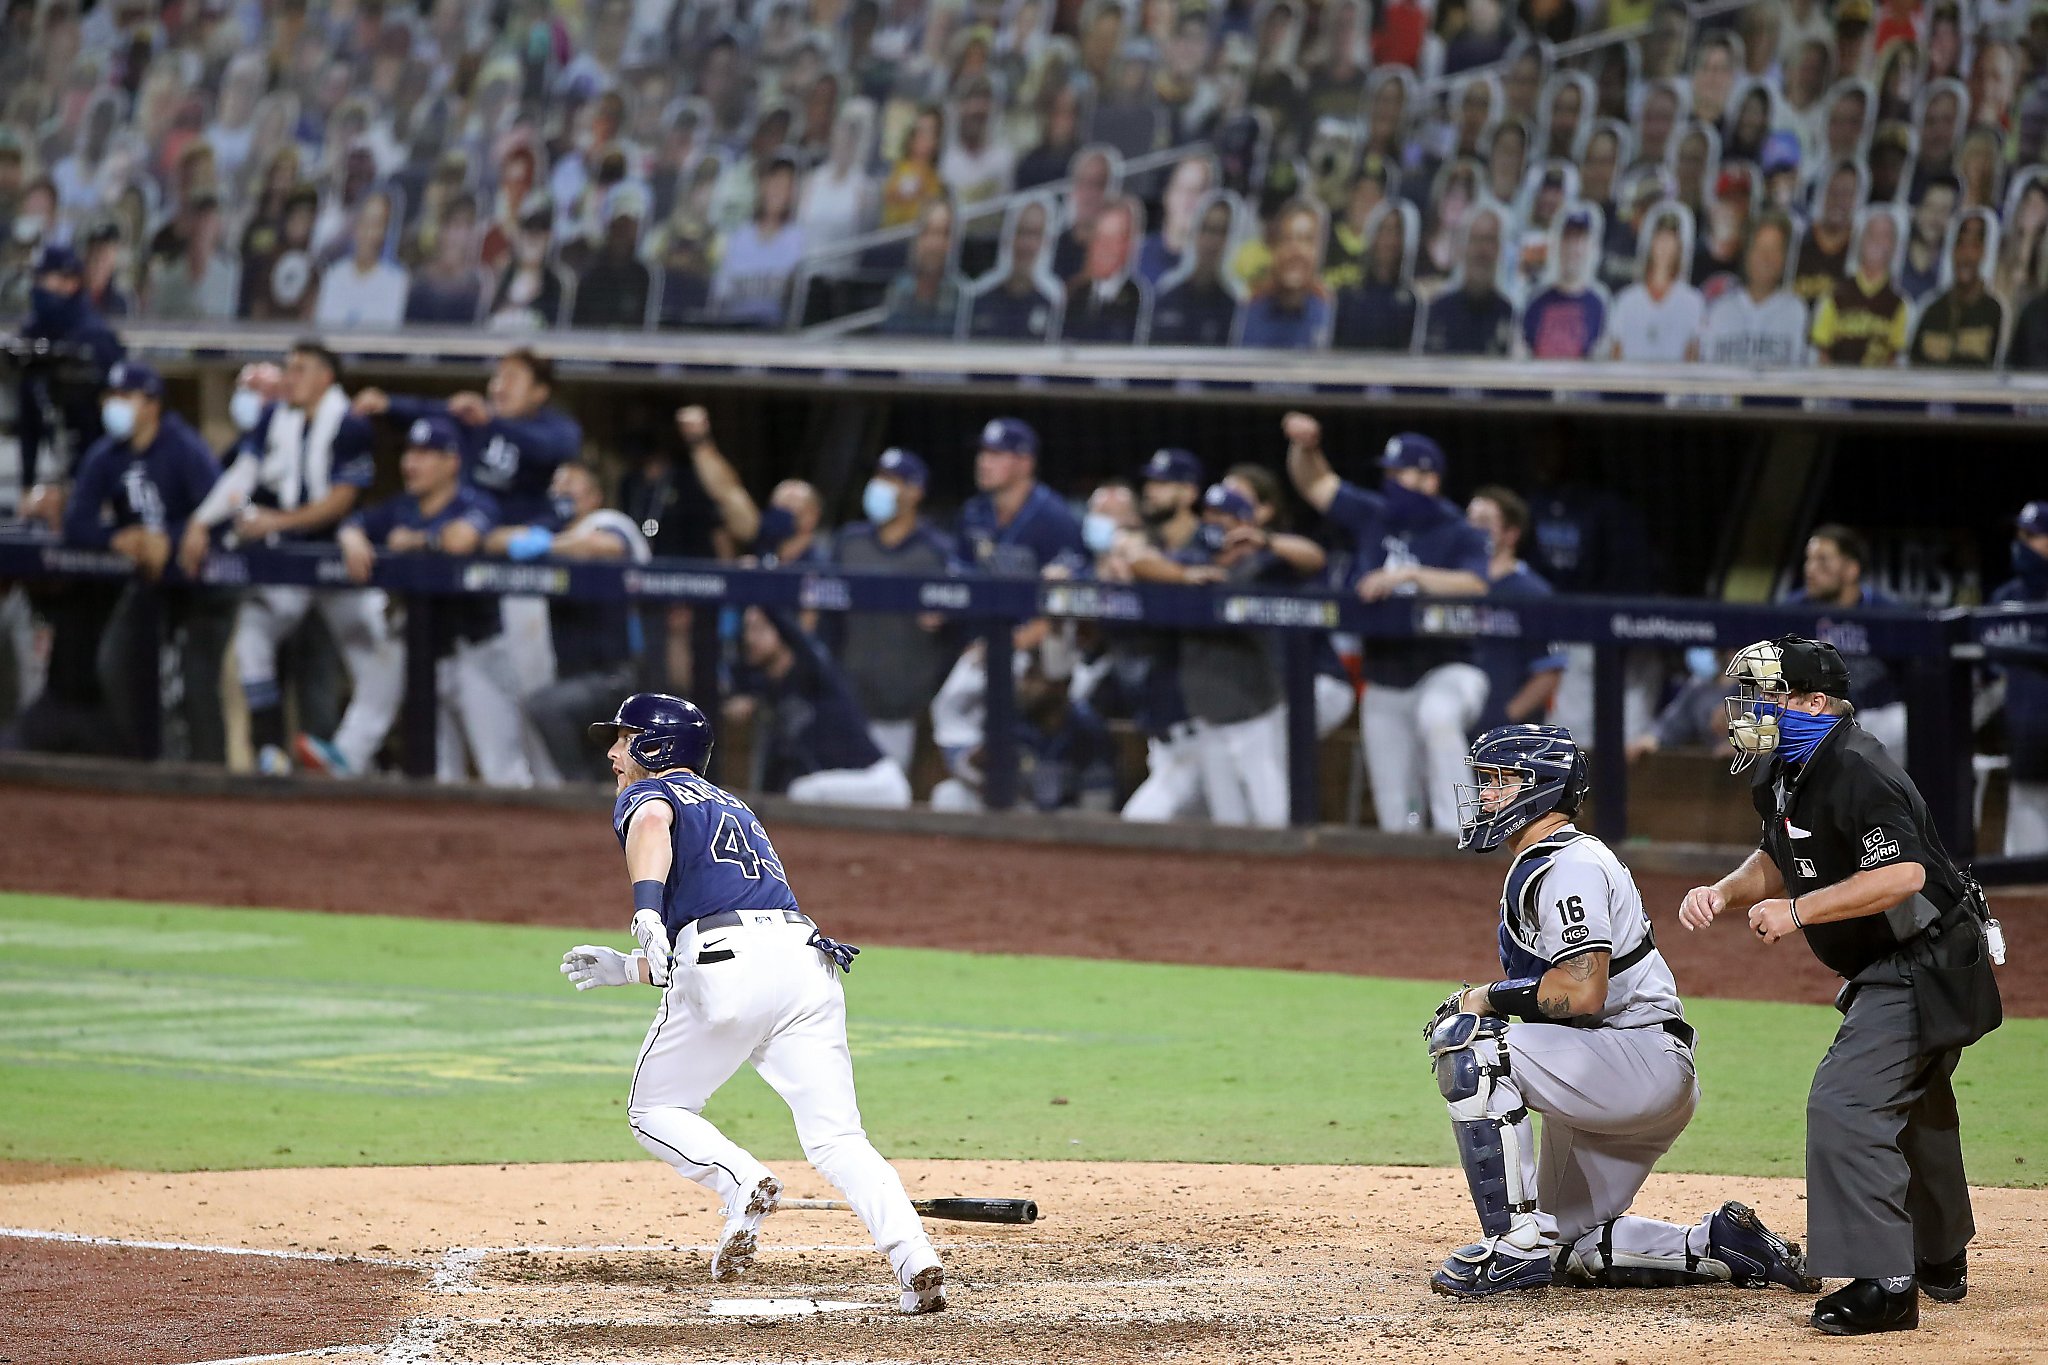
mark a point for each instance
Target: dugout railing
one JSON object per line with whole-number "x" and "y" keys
{"x": 1934, "y": 652}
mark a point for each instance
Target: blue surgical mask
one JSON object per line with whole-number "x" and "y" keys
{"x": 54, "y": 312}
{"x": 1409, "y": 509}
{"x": 1210, "y": 536}
{"x": 878, "y": 500}
{"x": 1701, "y": 662}
{"x": 117, "y": 415}
{"x": 565, "y": 508}
{"x": 1098, "y": 532}
{"x": 246, "y": 407}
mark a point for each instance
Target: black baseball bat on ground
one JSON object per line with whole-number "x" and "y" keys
{"x": 958, "y": 1210}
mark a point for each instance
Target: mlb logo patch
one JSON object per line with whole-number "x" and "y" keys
{"x": 1805, "y": 868}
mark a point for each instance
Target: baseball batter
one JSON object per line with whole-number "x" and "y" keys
{"x": 745, "y": 977}
{"x": 1587, "y": 1030}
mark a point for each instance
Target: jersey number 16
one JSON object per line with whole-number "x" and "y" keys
{"x": 1572, "y": 909}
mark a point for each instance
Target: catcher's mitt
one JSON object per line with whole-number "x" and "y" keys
{"x": 1453, "y": 1004}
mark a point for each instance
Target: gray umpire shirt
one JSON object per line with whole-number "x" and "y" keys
{"x": 1230, "y": 677}
{"x": 894, "y": 664}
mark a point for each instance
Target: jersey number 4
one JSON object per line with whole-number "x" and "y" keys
{"x": 730, "y": 844}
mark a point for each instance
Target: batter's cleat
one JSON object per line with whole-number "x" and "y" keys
{"x": 927, "y": 1291}
{"x": 735, "y": 1253}
{"x": 1862, "y": 1307}
{"x": 1481, "y": 1269}
{"x": 272, "y": 761}
{"x": 1755, "y": 1256}
{"x": 317, "y": 755}
{"x": 1945, "y": 1281}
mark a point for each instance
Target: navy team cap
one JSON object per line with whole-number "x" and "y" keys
{"x": 434, "y": 433}
{"x": 1010, "y": 435}
{"x": 2033, "y": 518}
{"x": 1413, "y": 450}
{"x": 132, "y": 376}
{"x": 902, "y": 465}
{"x": 1173, "y": 465}
{"x": 58, "y": 260}
{"x": 1221, "y": 497}
{"x": 1579, "y": 220}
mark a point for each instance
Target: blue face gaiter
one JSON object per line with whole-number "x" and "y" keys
{"x": 1799, "y": 734}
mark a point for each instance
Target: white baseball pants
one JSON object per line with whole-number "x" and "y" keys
{"x": 897, "y": 739}
{"x": 2026, "y": 818}
{"x": 881, "y": 785}
{"x": 530, "y": 646}
{"x": 1172, "y": 789}
{"x": 375, "y": 657}
{"x": 1417, "y": 737}
{"x": 779, "y": 1005}
{"x": 1244, "y": 770}
{"x": 479, "y": 719}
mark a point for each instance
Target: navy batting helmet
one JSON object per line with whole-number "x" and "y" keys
{"x": 668, "y": 732}
{"x": 1519, "y": 772}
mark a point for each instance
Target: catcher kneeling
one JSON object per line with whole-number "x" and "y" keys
{"x": 1586, "y": 1030}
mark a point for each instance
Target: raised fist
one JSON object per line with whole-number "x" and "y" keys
{"x": 694, "y": 423}
{"x": 1302, "y": 430}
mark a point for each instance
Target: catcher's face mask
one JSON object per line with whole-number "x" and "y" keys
{"x": 1756, "y": 702}
{"x": 1487, "y": 804}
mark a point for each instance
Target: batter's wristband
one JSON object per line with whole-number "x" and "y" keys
{"x": 1797, "y": 923}
{"x": 647, "y": 895}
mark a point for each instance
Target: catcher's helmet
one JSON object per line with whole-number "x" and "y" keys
{"x": 1553, "y": 777}
{"x": 668, "y": 732}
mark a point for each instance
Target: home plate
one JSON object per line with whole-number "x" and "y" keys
{"x": 781, "y": 1308}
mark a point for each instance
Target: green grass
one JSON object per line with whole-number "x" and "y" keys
{"x": 175, "y": 1038}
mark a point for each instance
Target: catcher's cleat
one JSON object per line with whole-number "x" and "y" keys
{"x": 926, "y": 1292}
{"x": 1481, "y": 1269}
{"x": 735, "y": 1253}
{"x": 1755, "y": 1256}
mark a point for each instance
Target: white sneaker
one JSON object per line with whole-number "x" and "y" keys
{"x": 272, "y": 761}
{"x": 735, "y": 1254}
{"x": 927, "y": 1291}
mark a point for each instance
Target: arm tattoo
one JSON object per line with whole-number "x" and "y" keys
{"x": 1556, "y": 1006}
{"x": 1581, "y": 967}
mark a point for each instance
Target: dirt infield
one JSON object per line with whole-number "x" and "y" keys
{"x": 1423, "y": 918}
{"x": 1129, "y": 1262}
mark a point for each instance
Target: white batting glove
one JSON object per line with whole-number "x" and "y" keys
{"x": 653, "y": 938}
{"x": 591, "y": 965}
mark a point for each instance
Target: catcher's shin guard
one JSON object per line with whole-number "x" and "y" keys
{"x": 1496, "y": 1142}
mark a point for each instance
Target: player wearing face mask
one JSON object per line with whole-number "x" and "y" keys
{"x": 894, "y": 661}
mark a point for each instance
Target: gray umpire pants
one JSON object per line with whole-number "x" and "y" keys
{"x": 1884, "y": 1152}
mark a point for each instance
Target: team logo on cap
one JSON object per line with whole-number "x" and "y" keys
{"x": 422, "y": 433}
{"x": 1394, "y": 448}
{"x": 993, "y": 433}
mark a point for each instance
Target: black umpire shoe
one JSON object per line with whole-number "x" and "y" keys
{"x": 1861, "y": 1307}
{"x": 1945, "y": 1281}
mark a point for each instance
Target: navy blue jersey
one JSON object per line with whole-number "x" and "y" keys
{"x": 1194, "y": 314}
{"x": 1456, "y": 323}
{"x": 818, "y": 724}
{"x": 458, "y": 618}
{"x": 119, "y": 486}
{"x": 1510, "y": 663}
{"x": 1043, "y": 529}
{"x": 512, "y": 459}
{"x": 1438, "y": 538}
{"x": 722, "y": 859}
{"x": 1271, "y": 325}
{"x": 999, "y": 315}
{"x": 2026, "y": 684}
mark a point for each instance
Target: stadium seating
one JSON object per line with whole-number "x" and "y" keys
{"x": 1448, "y": 178}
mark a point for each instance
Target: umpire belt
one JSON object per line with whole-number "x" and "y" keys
{"x": 741, "y": 919}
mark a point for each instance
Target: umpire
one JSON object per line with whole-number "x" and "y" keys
{"x": 1849, "y": 858}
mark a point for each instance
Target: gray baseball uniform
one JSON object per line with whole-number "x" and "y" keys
{"x": 1615, "y": 1089}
